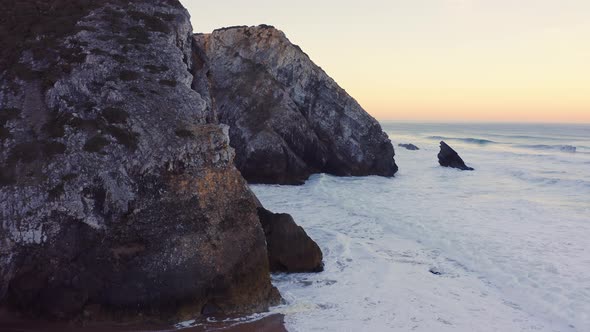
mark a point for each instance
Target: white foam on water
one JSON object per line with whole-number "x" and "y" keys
{"x": 502, "y": 248}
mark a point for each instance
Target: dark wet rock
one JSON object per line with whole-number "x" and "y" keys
{"x": 290, "y": 249}
{"x": 409, "y": 146}
{"x": 119, "y": 196}
{"x": 447, "y": 157}
{"x": 288, "y": 119}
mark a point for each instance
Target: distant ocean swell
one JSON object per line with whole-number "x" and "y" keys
{"x": 545, "y": 180}
{"x": 481, "y": 141}
{"x": 466, "y": 140}
{"x": 562, "y": 148}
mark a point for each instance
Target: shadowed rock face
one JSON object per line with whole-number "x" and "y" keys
{"x": 118, "y": 195}
{"x": 290, "y": 249}
{"x": 288, "y": 119}
{"x": 447, "y": 157}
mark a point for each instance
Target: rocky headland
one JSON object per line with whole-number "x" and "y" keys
{"x": 119, "y": 193}
{"x": 288, "y": 119}
{"x": 119, "y": 196}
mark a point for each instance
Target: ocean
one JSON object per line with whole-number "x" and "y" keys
{"x": 503, "y": 248}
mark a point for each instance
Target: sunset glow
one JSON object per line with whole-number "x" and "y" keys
{"x": 438, "y": 60}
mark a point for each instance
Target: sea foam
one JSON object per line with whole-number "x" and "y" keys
{"x": 507, "y": 243}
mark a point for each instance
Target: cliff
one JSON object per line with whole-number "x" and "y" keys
{"x": 118, "y": 192}
{"x": 288, "y": 119}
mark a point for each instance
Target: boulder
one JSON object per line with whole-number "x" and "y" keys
{"x": 289, "y": 248}
{"x": 448, "y": 157}
{"x": 409, "y": 146}
{"x": 119, "y": 195}
{"x": 288, "y": 119}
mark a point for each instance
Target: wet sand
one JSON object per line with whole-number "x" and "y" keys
{"x": 272, "y": 323}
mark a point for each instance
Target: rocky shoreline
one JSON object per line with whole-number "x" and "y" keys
{"x": 124, "y": 153}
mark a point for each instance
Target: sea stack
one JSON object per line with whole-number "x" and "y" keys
{"x": 448, "y": 157}
{"x": 288, "y": 119}
{"x": 119, "y": 195}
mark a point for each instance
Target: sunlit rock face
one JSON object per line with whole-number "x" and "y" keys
{"x": 288, "y": 119}
{"x": 119, "y": 198}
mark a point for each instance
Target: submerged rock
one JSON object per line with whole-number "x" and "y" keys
{"x": 290, "y": 249}
{"x": 119, "y": 196}
{"x": 409, "y": 146}
{"x": 448, "y": 157}
{"x": 288, "y": 119}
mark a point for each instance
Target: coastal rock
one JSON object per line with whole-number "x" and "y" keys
{"x": 119, "y": 198}
{"x": 288, "y": 119}
{"x": 448, "y": 157}
{"x": 290, "y": 249}
{"x": 409, "y": 146}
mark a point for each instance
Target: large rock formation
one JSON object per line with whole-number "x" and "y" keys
{"x": 448, "y": 157}
{"x": 118, "y": 196}
{"x": 290, "y": 249}
{"x": 287, "y": 118}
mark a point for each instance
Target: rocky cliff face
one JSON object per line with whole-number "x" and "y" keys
{"x": 287, "y": 117}
{"x": 118, "y": 195}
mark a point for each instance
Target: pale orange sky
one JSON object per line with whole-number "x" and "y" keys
{"x": 437, "y": 60}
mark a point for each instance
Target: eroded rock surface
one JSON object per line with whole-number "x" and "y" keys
{"x": 290, "y": 249}
{"x": 288, "y": 119}
{"x": 118, "y": 192}
{"x": 448, "y": 157}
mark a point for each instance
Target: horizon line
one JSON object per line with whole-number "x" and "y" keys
{"x": 454, "y": 121}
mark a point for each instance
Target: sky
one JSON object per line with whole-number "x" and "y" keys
{"x": 437, "y": 60}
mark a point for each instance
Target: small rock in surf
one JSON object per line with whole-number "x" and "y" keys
{"x": 448, "y": 157}
{"x": 409, "y": 146}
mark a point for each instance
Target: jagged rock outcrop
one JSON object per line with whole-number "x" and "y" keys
{"x": 288, "y": 119}
{"x": 409, "y": 146}
{"x": 289, "y": 248}
{"x": 448, "y": 157}
{"x": 119, "y": 198}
